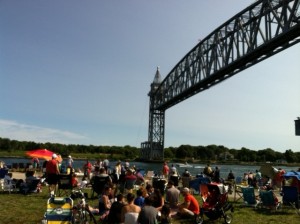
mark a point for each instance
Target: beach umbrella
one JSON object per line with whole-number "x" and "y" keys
{"x": 42, "y": 154}
{"x": 268, "y": 170}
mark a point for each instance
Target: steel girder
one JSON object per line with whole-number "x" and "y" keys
{"x": 153, "y": 149}
{"x": 261, "y": 30}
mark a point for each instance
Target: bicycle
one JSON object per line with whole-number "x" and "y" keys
{"x": 81, "y": 211}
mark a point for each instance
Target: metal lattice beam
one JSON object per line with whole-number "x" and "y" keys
{"x": 261, "y": 30}
{"x": 258, "y": 32}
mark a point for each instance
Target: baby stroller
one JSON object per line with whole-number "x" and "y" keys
{"x": 215, "y": 202}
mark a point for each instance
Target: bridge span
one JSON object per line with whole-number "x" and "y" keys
{"x": 258, "y": 32}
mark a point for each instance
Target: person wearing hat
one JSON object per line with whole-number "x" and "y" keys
{"x": 190, "y": 206}
{"x": 52, "y": 173}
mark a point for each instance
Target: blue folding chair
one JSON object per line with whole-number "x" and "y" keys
{"x": 290, "y": 196}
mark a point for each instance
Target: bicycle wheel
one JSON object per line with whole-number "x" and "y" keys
{"x": 88, "y": 217}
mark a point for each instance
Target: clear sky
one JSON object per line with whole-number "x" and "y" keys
{"x": 78, "y": 72}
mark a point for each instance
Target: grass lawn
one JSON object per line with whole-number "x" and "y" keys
{"x": 29, "y": 209}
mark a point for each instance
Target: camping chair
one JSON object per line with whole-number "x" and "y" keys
{"x": 129, "y": 185}
{"x": 290, "y": 196}
{"x": 268, "y": 200}
{"x": 195, "y": 183}
{"x": 3, "y": 173}
{"x": 65, "y": 186}
{"x": 186, "y": 181}
{"x": 160, "y": 184}
{"x": 238, "y": 194}
{"x": 8, "y": 184}
{"x": 59, "y": 210}
{"x": 249, "y": 196}
{"x": 203, "y": 189}
{"x": 175, "y": 179}
{"x": 99, "y": 183}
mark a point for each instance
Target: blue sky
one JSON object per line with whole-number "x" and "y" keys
{"x": 78, "y": 72}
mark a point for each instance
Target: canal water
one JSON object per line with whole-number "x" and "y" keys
{"x": 194, "y": 169}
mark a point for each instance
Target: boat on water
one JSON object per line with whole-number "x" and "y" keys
{"x": 199, "y": 167}
{"x": 184, "y": 165}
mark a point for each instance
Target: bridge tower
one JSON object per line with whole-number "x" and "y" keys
{"x": 153, "y": 149}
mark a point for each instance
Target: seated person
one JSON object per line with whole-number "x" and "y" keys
{"x": 31, "y": 183}
{"x": 165, "y": 215}
{"x": 139, "y": 200}
{"x": 190, "y": 206}
{"x": 172, "y": 195}
{"x": 157, "y": 199}
{"x": 114, "y": 215}
{"x": 130, "y": 212}
{"x": 105, "y": 202}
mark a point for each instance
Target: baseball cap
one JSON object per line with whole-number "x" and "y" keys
{"x": 185, "y": 190}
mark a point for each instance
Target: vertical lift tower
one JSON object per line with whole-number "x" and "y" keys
{"x": 153, "y": 149}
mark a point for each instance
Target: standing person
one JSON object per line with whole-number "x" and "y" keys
{"x": 87, "y": 168}
{"x": 190, "y": 206}
{"x": 230, "y": 181}
{"x": 35, "y": 162}
{"x": 118, "y": 169}
{"x": 70, "y": 162}
{"x": 97, "y": 165}
{"x": 148, "y": 214}
{"x": 130, "y": 212}
{"x": 208, "y": 171}
{"x": 172, "y": 195}
{"x": 257, "y": 178}
{"x": 52, "y": 174}
{"x": 165, "y": 170}
{"x": 216, "y": 175}
{"x": 106, "y": 165}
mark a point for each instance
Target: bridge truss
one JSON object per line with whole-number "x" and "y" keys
{"x": 261, "y": 30}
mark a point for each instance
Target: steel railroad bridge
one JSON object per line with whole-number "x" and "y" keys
{"x": 261, "y": 30}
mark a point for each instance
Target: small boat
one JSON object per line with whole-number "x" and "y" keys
{"x": 184, "y": 165}
{"x": 199, "y": 167}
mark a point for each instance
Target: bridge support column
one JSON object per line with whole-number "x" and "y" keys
{"x": 153, "y": 149}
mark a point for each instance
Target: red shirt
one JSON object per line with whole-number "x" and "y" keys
{"x": 51, "y": 166}
{"x": 166, "y": 169}
{"x": 88, "y": 167}
{"x": 194, "y": 205}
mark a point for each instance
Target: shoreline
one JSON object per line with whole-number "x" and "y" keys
{"x": 229, "y": 162}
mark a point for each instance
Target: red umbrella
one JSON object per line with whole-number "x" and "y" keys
{"x": 42, "y": 154}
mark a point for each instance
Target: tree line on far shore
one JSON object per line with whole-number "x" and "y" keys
{"x": 183, "y": 152}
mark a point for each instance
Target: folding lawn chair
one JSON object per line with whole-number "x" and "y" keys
{"x": 129, "y": 185}
{"x": 290, "y": 196}
{"x": 65, "y": 186}
{"x": 268, "y": 200}
{"x": 186, "y": 181}
{"x": 59, "y": 210}
{"x": 249, "y": 196}
{"x": 195, "y": 183}
{"x": 99, "y": 183}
